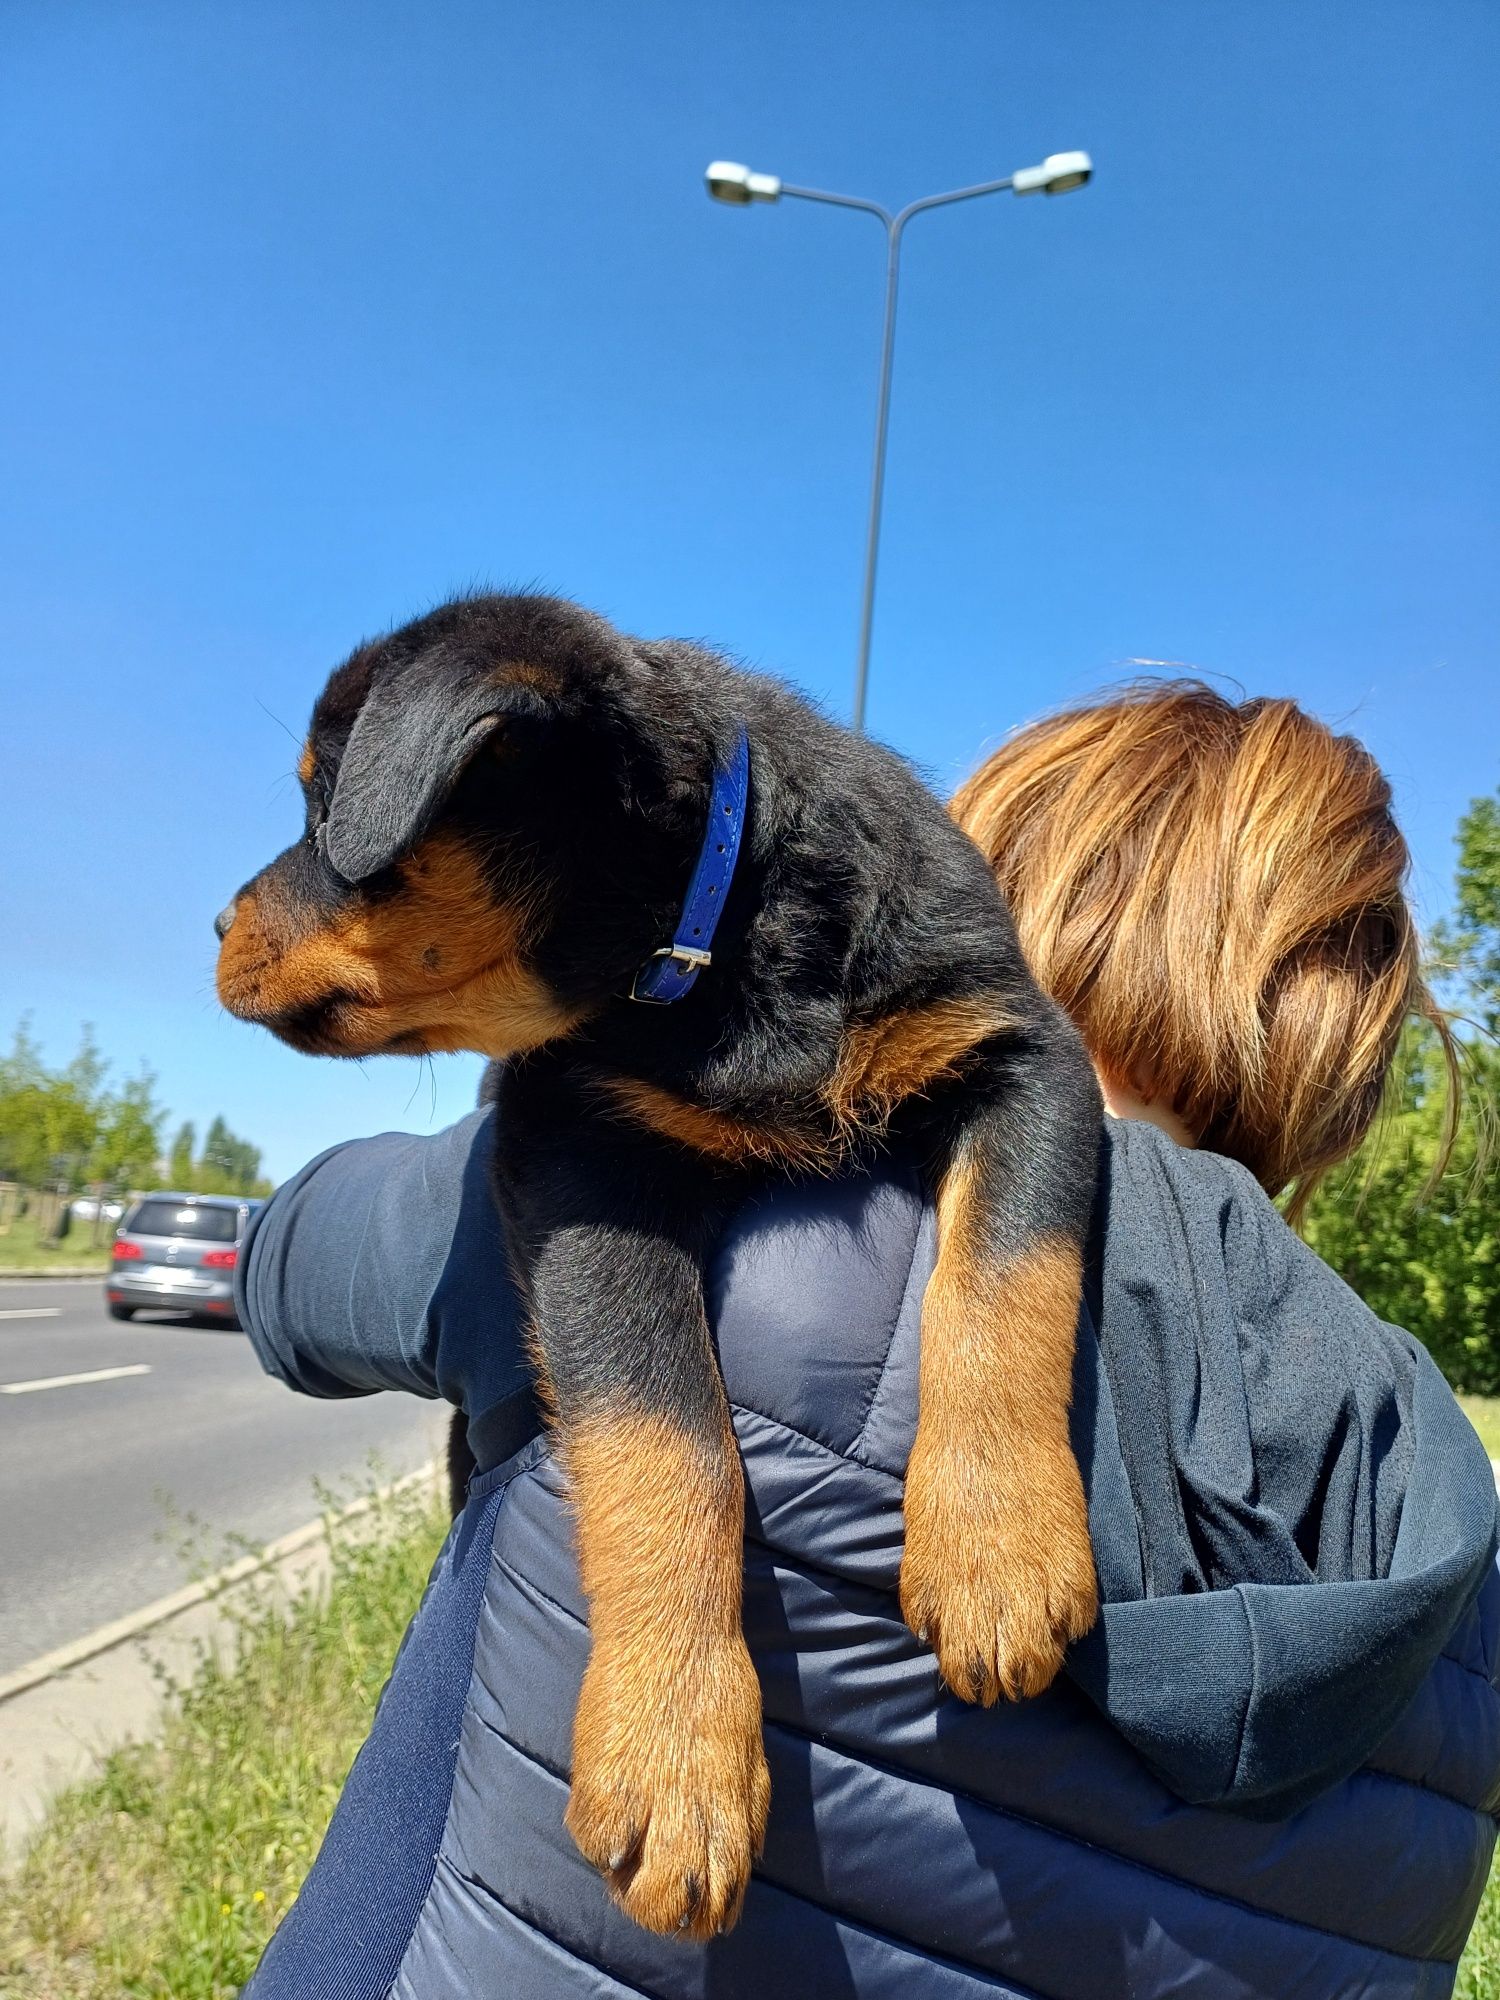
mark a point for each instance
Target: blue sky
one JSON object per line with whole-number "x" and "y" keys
{"x": 317, "y": 310}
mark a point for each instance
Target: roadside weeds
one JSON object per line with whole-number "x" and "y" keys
{"x": 163, "y": 1877}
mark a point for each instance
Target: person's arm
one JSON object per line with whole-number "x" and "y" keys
{"x": 381, "y": 1266}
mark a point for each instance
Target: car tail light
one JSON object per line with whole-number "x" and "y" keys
{"x": 219, "y": 1260}
{"x": 124, "y": 1250}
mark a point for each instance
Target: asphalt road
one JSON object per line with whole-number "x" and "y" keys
{"x": 97, "y": 1477}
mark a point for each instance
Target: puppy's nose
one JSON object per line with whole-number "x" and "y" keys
{"x": 223, "y": 921}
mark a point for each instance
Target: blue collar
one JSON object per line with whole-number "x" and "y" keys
{"x": 673, "y": 970}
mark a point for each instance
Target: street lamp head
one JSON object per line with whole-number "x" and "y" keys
{"x": 1059, "y": 173}
{"x": 729, "y": 181}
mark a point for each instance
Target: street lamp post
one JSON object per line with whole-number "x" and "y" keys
{"x": 734, "y": 184}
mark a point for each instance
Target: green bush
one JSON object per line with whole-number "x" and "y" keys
{"x": 1422, "y": 1255}
{"x": 1426, "y": 1257}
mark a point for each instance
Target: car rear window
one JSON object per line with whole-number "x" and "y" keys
{"x": 166, "y": 1218}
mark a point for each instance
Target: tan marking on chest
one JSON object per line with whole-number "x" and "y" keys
{"x": 735, "y": 1141}
{"x": 883, "y": 1062}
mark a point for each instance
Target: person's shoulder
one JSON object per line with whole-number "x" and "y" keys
{"x": 1214, "y": 1206}
{"x": 1190, "y": 1210}
{"x": 1141, "y": 1156}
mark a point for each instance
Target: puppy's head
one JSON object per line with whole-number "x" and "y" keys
{"x": 493, "y": 833}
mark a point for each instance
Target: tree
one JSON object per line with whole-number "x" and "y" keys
{"x": 23, "y": 1082}
{"x": 180, "y": 1167}
{"x": 1469, "y": 946}
{"x": 129, "y": 1136}
{"x": 70, "y": 1126}
{"x": 49, "y": 1120}
{"x": 1425, "y": 1256}
{"x": 227, "y": 1164}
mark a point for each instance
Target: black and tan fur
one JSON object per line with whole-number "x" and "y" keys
{"x": 504, "y": 804}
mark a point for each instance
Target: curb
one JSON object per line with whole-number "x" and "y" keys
{"x": 105, "y": 1638}
{"x": 31, "y": 1274}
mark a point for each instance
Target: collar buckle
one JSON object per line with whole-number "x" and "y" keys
{"x": 689, "y": 960}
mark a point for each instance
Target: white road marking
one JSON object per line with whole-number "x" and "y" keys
{"x": 52, "y": 1284}
{"x": 30, "y": 1312}
{"x": 68, "y": 1381}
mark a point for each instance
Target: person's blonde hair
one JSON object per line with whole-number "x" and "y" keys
{"x": 1214, "y": 890}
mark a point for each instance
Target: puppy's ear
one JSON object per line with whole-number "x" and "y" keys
{"x": 410, "y": 741}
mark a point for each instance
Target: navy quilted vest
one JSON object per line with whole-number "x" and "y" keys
{"x": 1338, "y": 1722}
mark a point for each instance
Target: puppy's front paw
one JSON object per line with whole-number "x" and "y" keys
{"x": 670, "y": 1787}
{"x": 998, "y": 1578}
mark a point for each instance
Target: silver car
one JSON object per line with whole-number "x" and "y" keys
{"x": 178, "y": 1250}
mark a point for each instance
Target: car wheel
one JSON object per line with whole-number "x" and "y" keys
{"x": 121, "y": 1312}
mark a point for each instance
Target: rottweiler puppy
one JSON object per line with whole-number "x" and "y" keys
{"x": 706, "y": 934}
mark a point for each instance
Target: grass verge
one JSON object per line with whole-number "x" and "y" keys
{"x": 22, "y": 1249}
{"x": 1479, "y": 1972}
{"x": 163, "y": 1877}
{"x": 1483, "y": 1412}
